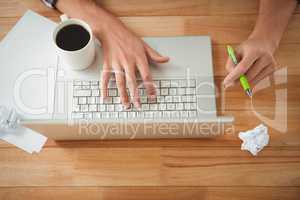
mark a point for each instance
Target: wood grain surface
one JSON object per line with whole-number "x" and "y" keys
{"x": 211, "y": 169}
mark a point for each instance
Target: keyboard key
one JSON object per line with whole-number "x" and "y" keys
{"x": 107, "y": 100}
{"x": 170, "y": 106}
{"x": 172, "y": 91}
{"x": 105, "y": 115}
{"x": 148, "y": 114}
{"x": 176, "y": 99}
{"x": 175, "y": 114}
{"x": 116, "y": 100}
{"x": 192, "y": 113}
{"x": 75, "y": 100}
{"x": 96, "y": 115}
{"x": 94, "y": 87}
{"x": 153, "y": 107}
{"x": 85, "y": 87}
{"x": 93, "y": 108}
{"x": 187, "y": 106}
{"x": 145, "y": 106}
{"x": 94, "y": 82}
{"x": 82, "y": 100}
{"x": 112, "y": 92}
{"x": 123, "y": 115}
{"x": 142, "y": 91}
{"x": 140, "y": 114}
{"x": 96, "y": 93}
{"x": 165, "y": 84}
{"x": 164, "y": 92}
{"x": 110, "y": 108}
{"x": 179, "y": 106}
{"x": 77, "y": 82}
{"x": 98, "y": 100}
{"x": 157, "y": 114}
{"x": 174, "y": 83}
{"x": 114, "y": 115}
{"x": 180, "y": 91}
{"x": 143, "y": 99}
{"x": 160, "y": 99}
{"x": 191, "y": 83}
{"x": 77, "y": 87}
{"x": 84, "y": 108}
{"x": 190, "y": 91}
{"x": 162, "y": 106}
{"x": 118, "y": 107}
{"x": 101, "y": 108}
{"x": 166, "y": 114}
{"x": 85, "y": 83}
{"x": 156, "y": 84}
{"x": 112, "y": 84}
{"x": 82, "y": 93}
{"x": 77, "y": 115}
{"x": 88, "y": 116}
{"x": 191, "y": 98}
{"x": 193, "y": 106}
{"x": 184, "y": 114}
{"x": 184, "y": 99}
{"x": 91, "y": 100}
{"x": 131, "y": 114}
{"x": 76, "y": 108}
{"x": 168, "y": 99}
{"x": 182, "y": 83}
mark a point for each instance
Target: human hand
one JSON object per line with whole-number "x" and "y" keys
{"x": 124, "y": 55}
{"x": 256, "y": 61}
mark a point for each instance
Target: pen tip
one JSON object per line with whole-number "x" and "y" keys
{"x": 249, "y": 93}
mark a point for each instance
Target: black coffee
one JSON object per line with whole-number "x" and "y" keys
{"x": 72, "y": 37}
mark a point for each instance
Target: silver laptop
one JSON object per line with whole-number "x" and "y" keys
{"x": 185, "y": 100}
{"x": 185, "y": 106}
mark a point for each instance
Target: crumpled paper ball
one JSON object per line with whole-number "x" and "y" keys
{"x": 255, "y": 140}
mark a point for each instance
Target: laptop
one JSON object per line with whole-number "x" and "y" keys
{"x": 185, "y": 106}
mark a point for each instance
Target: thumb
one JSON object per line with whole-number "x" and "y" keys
{"x": 154, "y": 55}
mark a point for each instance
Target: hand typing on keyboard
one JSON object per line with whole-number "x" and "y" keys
{"x": 176, "y": 99}
{"x": 124, "y": 55}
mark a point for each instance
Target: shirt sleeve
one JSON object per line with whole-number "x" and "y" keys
{"x": 50, "y": 3}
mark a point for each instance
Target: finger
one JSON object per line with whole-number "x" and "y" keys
{"x": 240, "y": 69}
{"x": 263, "y": 74}
{"x": 257, "y": 67}
{"x": 105, "y": 76}
{"x": 231, "y": 84}
{"x": 121, "y": 84}
{"x": 132, "y": 84}
{"x": 229, "y": 65}
{"x": 154, "y": 55}
{"x": 146, "y": 76}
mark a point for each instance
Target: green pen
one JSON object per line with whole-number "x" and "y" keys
{"x": 243, "y": 79}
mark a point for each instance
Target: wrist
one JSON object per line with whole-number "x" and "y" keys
{"x": 88, "y": 11}
{"x": 100, "y": 20}
{"x": 271, "y": 42}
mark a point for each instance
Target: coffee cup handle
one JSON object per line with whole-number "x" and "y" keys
{"x": 64, "y": 17}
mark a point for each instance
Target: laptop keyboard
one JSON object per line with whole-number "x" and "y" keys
{"x": 176, "y": 99}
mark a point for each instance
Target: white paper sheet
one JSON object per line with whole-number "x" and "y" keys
{"x": 22, "y": 137}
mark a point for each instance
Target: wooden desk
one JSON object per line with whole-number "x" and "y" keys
{"x": 171, "y": 169}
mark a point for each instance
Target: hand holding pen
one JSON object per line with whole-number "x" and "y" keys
{"x": 254, "y": 61}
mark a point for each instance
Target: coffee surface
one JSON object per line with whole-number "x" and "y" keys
{"x": 72, "y": 37}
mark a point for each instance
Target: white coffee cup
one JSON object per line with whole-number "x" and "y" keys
{"x": 78, "y": 59}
